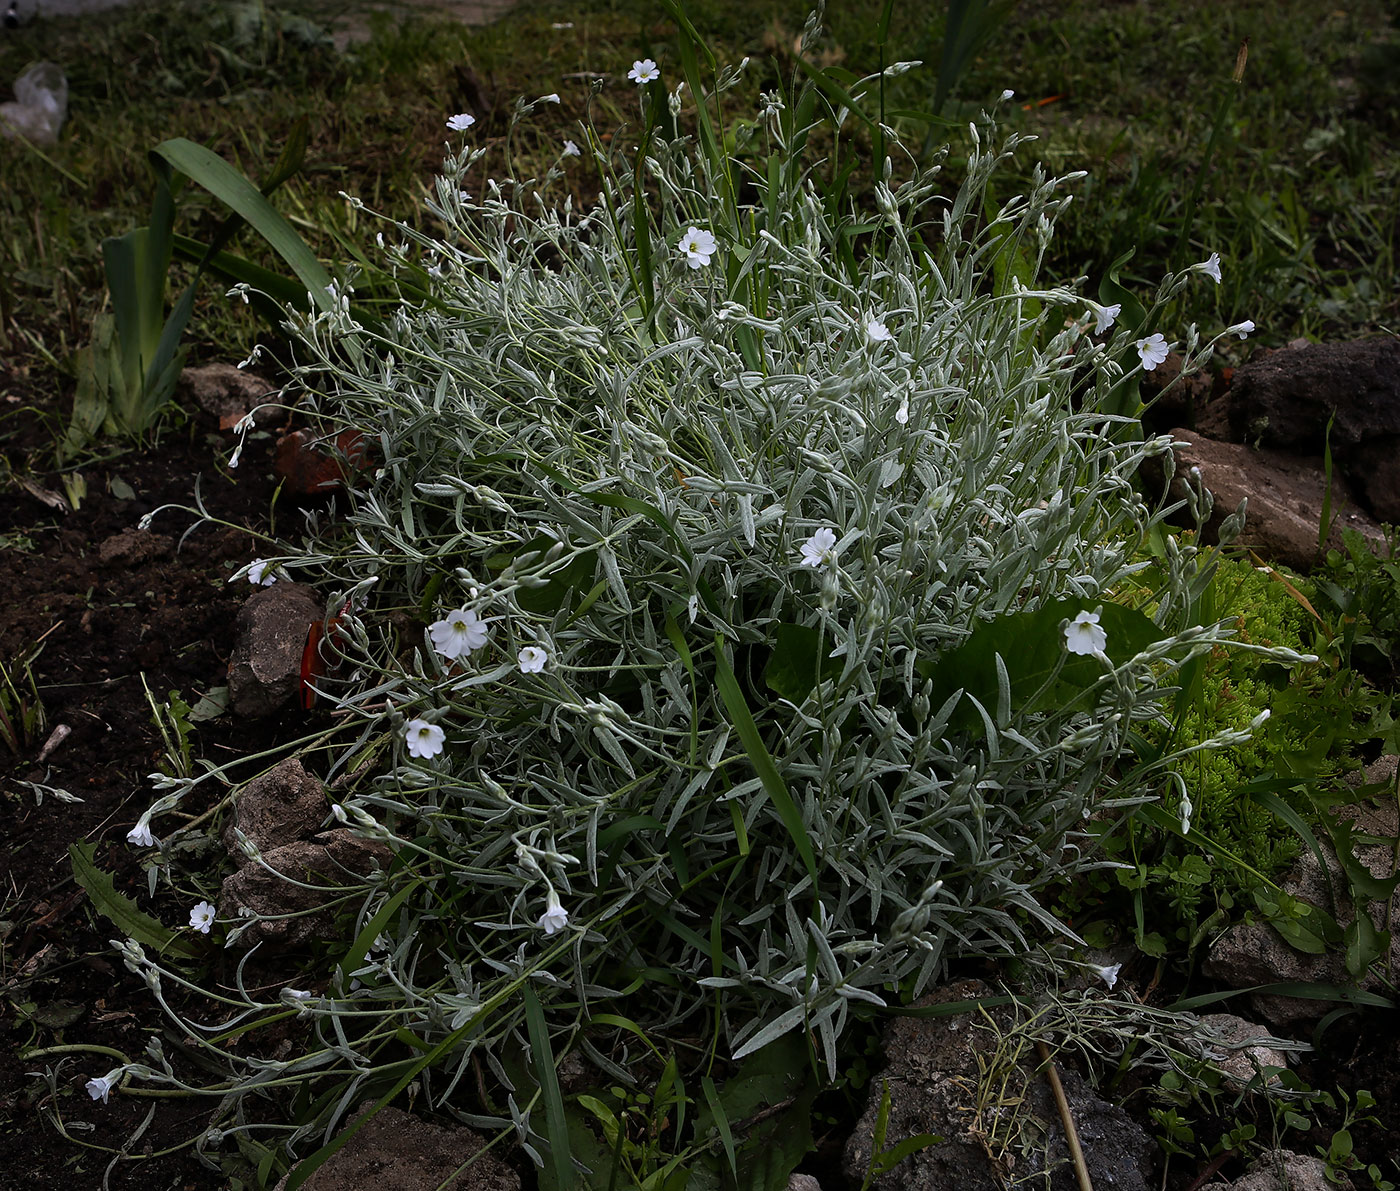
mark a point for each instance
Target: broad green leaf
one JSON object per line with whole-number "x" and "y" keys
{"x": 551, "y": 597}
{"x": 1364, "y": 945}
{"x": 766, "y": 1148}
{"x": 1031, "y": 646}
{"x": 1112, "y": 292}
{"x": 211, "y": 705}
{"x": 797, "y": 664}
{"x": 121, "y": 910}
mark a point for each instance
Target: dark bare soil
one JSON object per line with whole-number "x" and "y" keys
{"x": 109, "y": 610}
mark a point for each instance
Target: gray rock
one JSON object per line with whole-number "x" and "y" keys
{"x": 1285, "y": 496}
{"x": 229, "y": 393}
{"x": 1285, "y": 399}
{"x": 283, "y": 805}
{"x": 933, "y": 1077}
{"x": 1245, "y": 1050}
{"x": 295, "y": 916}
{"x": 803, "y": 1182}
{"x": 1283, "y": 1170}
{"x": 264, "y": 671}
{"x": 394, "y": 1151}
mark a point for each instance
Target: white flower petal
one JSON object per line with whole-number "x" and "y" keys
{"x": 532, "y": 659}
{"x": 423, "y": 739}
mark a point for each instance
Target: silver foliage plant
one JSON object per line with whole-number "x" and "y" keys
{"x": 661, "y": 476}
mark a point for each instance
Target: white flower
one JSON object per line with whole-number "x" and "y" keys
{"x": 1008, "y": 93}
{"x": 100, "y": 1086}
{"x": 1211, "y": 267}
{"x": 820, "y": 548}
{"x": 424, "y": 739}
{"x": 461, "y": 121}
{"x": 262, "y": 573}
{"x": 876, "y": 331}
{"x": 1083, "y": 635}
{"x": 532, "y": 659}
{"x": 464, "y": 196}
{"x": 643, "y": 71}
{"x": 1152, "y": 351}
{"x": 1108, "y": 974}
{"x": 562, "y": 25}
{"x": 1243, "y": 330}
{"x": 458, "y": 634}
{"x": 1104, "y": 316}
{"x": 202, "y": 918}
{"x": 297, "y": 994}
{"x": 140, "y": 836}
{"x": 571, "y": 149}
{"x": 555, "y": 917}
{"x": 901, "y": 415}
{"x": 698, "y": 246}
{"x": 552, "y": 97}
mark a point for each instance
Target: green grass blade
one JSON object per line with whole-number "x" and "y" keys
{"x": 556, "y": 1124}
{"x": 762, "y": 760}
{"x": 726, "y": 1134}
{"x": 837, "y": 93}
{"x": 1273, "y": 803}
{"x": 688, "y": 31}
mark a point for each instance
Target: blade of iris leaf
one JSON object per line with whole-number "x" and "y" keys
{"x": 218, "y": 177}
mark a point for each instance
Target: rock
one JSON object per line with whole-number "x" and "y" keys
{"x": 283, "y": 805}
{"x": 1285, "y": 399}
{"x": 933, "y": 1077}
{"x": 1244, "y": 1052}
{"x": 1283, "y": 1170}
{"x": 1285, "y": 496}
{"x": 803, "y": 1182}
{"x": 1253, "y": 953}
{"x": 338, "y": 857}
{"x": 315, "y": 465}
{"x": 394, "y": 1151}
{"x": 1172, "y": 400}
{"x": 229, "y": 393}
{"x": 132, "y": 547}
{"x": 264, "y": 671}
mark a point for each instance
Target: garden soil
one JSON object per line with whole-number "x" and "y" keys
{"x": 112, "y": 613}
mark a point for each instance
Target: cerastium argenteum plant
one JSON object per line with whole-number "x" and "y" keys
{"x": 708, "y": 673}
